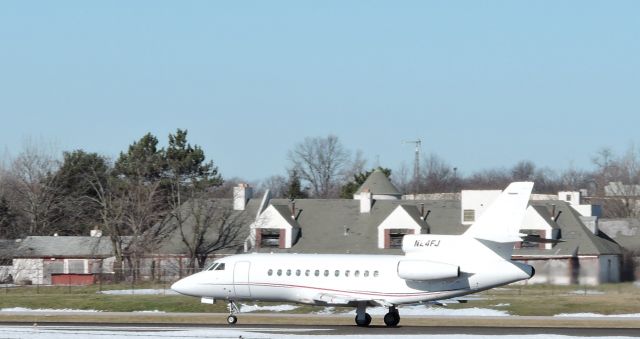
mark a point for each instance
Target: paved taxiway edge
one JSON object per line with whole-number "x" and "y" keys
{"x": 312, "y": 319}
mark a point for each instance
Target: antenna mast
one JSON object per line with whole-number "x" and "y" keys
{"x": 416, "y": 161}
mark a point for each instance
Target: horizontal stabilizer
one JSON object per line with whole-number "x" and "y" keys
{"x": 537, "y": 239}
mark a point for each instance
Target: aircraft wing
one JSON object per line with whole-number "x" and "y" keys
{"x": 335, "y": 299}
{"x": 338, "y": 299}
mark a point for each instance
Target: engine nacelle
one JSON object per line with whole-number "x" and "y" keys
{"x": 426, "y": 270}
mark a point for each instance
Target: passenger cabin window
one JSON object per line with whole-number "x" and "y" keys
{"x": 356, "y": 273}
{"x": 346, "y": 273}
{"x": 307, "y": 272}
{"x": 326, "y": 273}
{"x": 279, "y": 272}
{"x": 220, "y": 267}
{"x": 298, "y": 273}
{"x": 317, "y": 273}
{"x": 337, "y": 273}
{"x": 375, "y": 274}
{"x": 270, "y": 272}
{"x": 288, "y": 272}
{"x": 366, "y": 274}
{"x": 212, "y": 266}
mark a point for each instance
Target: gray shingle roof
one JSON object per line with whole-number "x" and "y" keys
{"x": 63, "y": 246}
{"x": 233, "y": 242}
{"x": 323, "y": 223}
{"x": 378, "y": 183}
{"x": 7, "y": 248}
{"x": 626, "y": 232}
{"x": 337, "y": 226}
{"x": 577, "y": 238}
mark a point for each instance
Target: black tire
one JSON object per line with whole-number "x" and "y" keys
{"x": 232, "y": 319}
{"x": 366, "y": 322}
{"x": 392, "y": 319}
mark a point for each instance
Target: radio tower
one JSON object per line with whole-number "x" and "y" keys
{"x": 416, "y": 161}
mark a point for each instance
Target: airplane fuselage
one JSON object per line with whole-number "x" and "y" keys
{"x": 337, "y": 279}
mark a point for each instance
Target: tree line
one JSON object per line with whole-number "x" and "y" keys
{"x": 145, "y": 186}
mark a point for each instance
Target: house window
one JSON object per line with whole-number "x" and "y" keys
{"x": 568, "y": 197}
{"x": 394, "y": 237}
{"x": 469, "y": 215}
{"x": 75, "y": 266}
{"x": 270, "y": 237}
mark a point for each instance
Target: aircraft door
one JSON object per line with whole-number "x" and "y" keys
{"x": 241, "y": 279}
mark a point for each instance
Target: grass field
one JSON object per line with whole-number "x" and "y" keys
{"x": 536, "y": 300}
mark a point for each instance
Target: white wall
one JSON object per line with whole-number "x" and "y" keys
{"x": 28, "y": 270}
{"x": 271, "y": 218}
{"x": 476, "y": 200}
{"x": 399, "y": 218}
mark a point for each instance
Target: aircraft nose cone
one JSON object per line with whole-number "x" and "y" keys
{"x": 180, "y": 286}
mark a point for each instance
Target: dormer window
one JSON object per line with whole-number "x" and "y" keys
{"x": 270, "y": 237}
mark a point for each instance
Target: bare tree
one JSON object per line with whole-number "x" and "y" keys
{"x": 32, "y": 187}
{"x": 436, "y": 175}
{"x": 622, "y": 188}
{"x": 210, "y": 226}
{"x": 488, "y": 179}
{"x": 276, "y": 184}
{"x": 320, "y": 162}
{"x": 111, "y": 204}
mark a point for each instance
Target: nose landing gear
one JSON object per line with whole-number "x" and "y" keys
{"x": 233, "y": 309}
{"x": 363, "y": 319}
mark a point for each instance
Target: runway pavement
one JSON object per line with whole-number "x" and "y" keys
{"x": 271, "y": 324}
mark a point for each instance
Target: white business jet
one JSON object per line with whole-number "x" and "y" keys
{"x": 434, "y": 267}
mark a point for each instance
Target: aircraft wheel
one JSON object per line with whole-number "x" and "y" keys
{"x": 392, "y": 319}
{"x": 232, "y": 319}
{"x": 364, "y": 322}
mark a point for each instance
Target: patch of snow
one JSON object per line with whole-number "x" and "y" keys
{"x": 326, "y": 310}
{"x": 502, "y": 305}
{"x": 273, "y": 308}
{"x": 421, "y": 310}
{"x": 597, "y": 315}
{"x": 66, "y": 332}
{"x": 586, "y": 292}
{"x": 50, "y": 310}
{"x": 153, "y": 311}
{"x": 142, "y": 291}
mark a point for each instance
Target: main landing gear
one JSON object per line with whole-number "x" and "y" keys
{"x": 392, "y": 319}
{"x": 363, "y": 319}
{"x": 233, "y": 309}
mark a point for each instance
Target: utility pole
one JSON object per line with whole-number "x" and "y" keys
{"x": 416, "y": 161}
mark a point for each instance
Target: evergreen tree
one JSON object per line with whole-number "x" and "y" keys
{"x": 294, "y": 190}
{"x": 78, "y": 212}
{"x": 143, "y": 161}
{"x": 7, "y": 221}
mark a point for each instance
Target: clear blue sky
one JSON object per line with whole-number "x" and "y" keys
{"x": 484, "y": 84}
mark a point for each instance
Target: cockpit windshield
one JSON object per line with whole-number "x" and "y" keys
{"x": 216, "y": 266}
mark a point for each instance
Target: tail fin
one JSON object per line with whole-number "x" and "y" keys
{"x": 502, "y": 220}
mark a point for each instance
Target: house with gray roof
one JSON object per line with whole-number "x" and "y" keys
{"x": 63, "y": 260}
{"x": 375, "y": 221}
